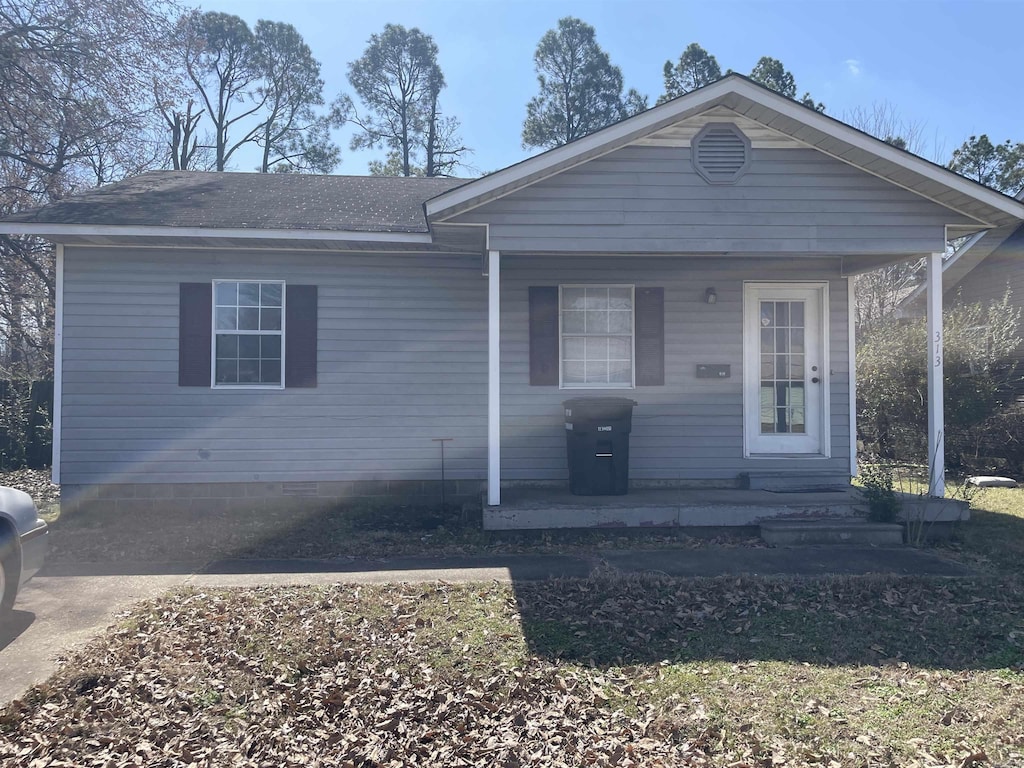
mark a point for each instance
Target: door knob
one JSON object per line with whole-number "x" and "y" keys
{"x": 815, "y": 380}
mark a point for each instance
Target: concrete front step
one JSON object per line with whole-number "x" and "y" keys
{"x": 806, "y": 481}
{"x": 851, "y": 532}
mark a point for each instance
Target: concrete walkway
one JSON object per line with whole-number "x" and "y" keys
{"x": 65, "y": 606}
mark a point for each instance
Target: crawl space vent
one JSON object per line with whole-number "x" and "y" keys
{"x": 720, "y": 152}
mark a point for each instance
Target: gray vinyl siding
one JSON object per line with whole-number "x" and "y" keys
{"x": 690, "y": 428}
{"x": 987, "y": 284}
{"x": 649, "y": 199}
{"x": 401, "y": 357}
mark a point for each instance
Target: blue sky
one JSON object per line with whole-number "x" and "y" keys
{"x": 950, "y": 67}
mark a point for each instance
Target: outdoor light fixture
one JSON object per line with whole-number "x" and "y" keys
{"x": 710, "y": 296}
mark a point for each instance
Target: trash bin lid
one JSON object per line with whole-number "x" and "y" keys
{"x": 599, "y": 402}
{"x": 584, "y": 409}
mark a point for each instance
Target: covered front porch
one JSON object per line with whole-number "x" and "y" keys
{"x": 720, "y": 233}
{"x": 692, "y": 456}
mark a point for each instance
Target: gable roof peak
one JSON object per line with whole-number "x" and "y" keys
{"x": 753, "y": 101}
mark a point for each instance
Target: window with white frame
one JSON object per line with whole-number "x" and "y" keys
{"x": 596, "y": 336}
{"x": 248, "y": 326}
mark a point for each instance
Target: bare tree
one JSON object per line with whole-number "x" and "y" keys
{"x": 75, "y": 111}
{"x": 879, "y": 292}
{"x": 184, "y": 151}
{"x": 222, "y": 61}
{"x": 883, "y": 121}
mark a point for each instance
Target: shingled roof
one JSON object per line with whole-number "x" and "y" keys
{"x": 280, "y": 201}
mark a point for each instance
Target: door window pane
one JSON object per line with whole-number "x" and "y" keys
{"x": 782, "y": 367}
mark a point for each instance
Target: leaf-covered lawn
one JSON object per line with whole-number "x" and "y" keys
{"x": 608, "y": 671}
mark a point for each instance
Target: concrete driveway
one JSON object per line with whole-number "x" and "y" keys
{"x": 66, "y": 606}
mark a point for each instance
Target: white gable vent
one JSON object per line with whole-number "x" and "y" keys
{"x": 720, "y": 152}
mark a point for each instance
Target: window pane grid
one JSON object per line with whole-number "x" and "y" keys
{"x": 782, "y": 367}
{"x": 249, "y": 334}
{"x": 597, "y": 336}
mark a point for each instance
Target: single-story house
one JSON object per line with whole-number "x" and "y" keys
{"x": 253, "y": 337}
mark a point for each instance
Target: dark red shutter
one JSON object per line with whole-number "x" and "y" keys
{"x": 300, "y": 336}
{"x": 650, "y": 337}
{"x": 195, "y": 315}
{"x": 544, "y": 336}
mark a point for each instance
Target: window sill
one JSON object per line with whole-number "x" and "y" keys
{"x": 237, "y": 387}
{"x": 592, "y": 387}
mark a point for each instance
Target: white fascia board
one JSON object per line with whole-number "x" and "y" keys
{"x": 619, "y": 134}
{"x": 114, "y": 230}
{"x": 910, "y": 162}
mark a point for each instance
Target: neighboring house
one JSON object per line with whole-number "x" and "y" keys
{"x": 257, "y": 336}
{"x": 980, "y": 271}
{"x": 987, "y": 280}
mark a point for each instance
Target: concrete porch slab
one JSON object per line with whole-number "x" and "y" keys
{"x": 545, "y": 508}
{"x": 917, "y": 510}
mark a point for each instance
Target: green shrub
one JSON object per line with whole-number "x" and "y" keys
{"x": 877, "y": 488}
{"x": 981, "y": 383}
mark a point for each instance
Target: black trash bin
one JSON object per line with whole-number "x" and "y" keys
{"x": 597, "y": 443}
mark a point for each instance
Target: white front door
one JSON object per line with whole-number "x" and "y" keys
{"x": 785, "y": 369}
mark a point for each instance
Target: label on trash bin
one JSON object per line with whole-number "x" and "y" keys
{"x": 568, "y": 425}
{"x": 605, "y": 429}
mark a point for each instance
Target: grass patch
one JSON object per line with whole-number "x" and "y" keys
{"x": 608, "y": 671}
{"x": 994, "y": 537}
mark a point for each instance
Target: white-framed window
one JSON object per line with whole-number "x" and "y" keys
{"x": 248, "y": 333}
{"x": 596, "y": 345}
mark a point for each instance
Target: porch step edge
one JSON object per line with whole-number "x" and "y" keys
{"x": 846, "y": 532}
{"x": 782, "y": 481}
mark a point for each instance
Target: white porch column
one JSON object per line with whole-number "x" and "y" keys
{"x": 493, "y": 379}
{"x": 58, "y": 364}
{"x": 936, "y": 453}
